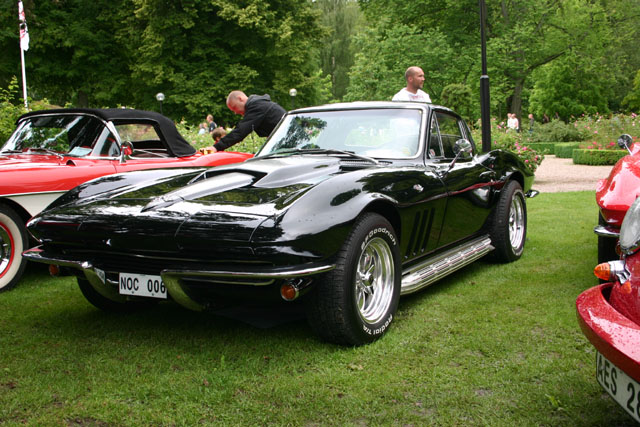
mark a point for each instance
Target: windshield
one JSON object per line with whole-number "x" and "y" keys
{"x": 391, "y": 133}
{"x": 74, "y": 135}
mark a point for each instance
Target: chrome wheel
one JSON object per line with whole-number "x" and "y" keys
{"x": 517, "y": 224}
{"x": 374, "y": 280}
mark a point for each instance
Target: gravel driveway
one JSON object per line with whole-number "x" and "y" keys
{"x": 557, "y": 175}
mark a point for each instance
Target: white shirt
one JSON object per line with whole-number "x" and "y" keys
{"x": 405, "y": 95}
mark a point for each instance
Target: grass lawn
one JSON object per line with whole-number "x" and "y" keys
{"x": 490, "y": 345}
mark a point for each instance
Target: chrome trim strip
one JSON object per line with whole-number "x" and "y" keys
{"x": 531, "y": 194}
{"x": 435, "y": 268}
{"x": 606, "y": 231}
{"x": 267, "y": 273}
{"x": 107, "y": 289}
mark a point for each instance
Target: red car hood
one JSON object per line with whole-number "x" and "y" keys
{"x": 34, "y": 173}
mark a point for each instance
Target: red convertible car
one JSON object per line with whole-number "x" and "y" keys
{"x": 609, "y": 315}
{"x": 614, "y": 195}
{"x": 52, "y": 151}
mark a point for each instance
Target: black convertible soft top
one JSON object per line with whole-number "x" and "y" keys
{"x": 166, "y": 129}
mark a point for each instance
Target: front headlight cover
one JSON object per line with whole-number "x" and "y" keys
{"x": 630, "y": 230}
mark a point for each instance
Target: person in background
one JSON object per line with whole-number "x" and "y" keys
{"x": 212, "y": 125}
{"x": 531, "y": 123}
{"x": 512, "y": 122}
{"x": 413, "y": 91}
{"x": 259, "y": 114}
{"x": 203, "y": 128}
{"x": 218, "y": 133}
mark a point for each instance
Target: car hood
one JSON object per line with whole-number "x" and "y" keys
{"x": 28, "y": 173}
{"x": 176, "y": 209}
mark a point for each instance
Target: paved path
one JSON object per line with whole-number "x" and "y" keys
{"x": 556, "y": 175}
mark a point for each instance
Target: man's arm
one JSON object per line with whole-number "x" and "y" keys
{"x": 251, "y": 119}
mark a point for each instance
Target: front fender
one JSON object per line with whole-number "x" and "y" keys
{"x": 318, "y": 223}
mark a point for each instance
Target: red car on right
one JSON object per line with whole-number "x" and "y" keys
{"x": 609, "y": 316}
{"x": 614, "y": 195}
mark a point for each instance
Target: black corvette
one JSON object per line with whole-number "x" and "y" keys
{"x": 347, "y": 206}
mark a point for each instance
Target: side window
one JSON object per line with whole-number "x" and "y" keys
{"x": 450, "y": 132}
{"x": 435, "y": 146}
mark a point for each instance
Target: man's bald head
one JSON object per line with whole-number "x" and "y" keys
{"x": 236, "y": 101}
{"x": 415, "y": 78}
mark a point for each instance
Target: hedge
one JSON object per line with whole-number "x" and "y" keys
{"x": 597, "y": 157}
{"x": 542, "y": 147}
{"x": 565, "y": 150}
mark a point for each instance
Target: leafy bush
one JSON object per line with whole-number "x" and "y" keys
{"x": 509, "y": 140}
{"x": 251, "y": 144}
{"x": 9, "y": 112}
{"x": 557, "y": 131}
{"x": 565, "y": 150}
{"x": 543, "y": 147}
{"x": 597, "y": 157}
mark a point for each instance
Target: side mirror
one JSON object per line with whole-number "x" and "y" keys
{"x": 462, "y": 146}
{"x": 125, "y": 151}
{"x": 625, "y": 141}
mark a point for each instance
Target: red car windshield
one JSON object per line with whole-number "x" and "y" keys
{"x": 74, "y": 135}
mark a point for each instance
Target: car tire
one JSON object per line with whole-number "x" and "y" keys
{"x": 13, "y": 241}
{"x": 106, "y": 304}
{"x": 509, "y": 226}
{"x": 355, "y": 303}
{"x": 606, "y": 245}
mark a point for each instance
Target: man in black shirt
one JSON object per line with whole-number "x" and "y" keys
{"x": 260, "y": 115}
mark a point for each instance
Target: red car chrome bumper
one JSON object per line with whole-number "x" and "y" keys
{"x": 611, "y": 333}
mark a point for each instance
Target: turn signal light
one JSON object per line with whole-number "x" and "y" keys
{"x": 288, "y": 292}
{"x": 603, "y": 271}
{"x": 54, "y": 270}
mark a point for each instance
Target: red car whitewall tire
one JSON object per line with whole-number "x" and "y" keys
{"x": 13, "y": 241}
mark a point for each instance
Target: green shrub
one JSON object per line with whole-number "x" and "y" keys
{"x": 251, "y": 144}
{"x": 9, "y": 112}
{"x": 597, "y": 157}
{"x": 565, "y": 150}
{"x": 558, "y": 131}
{"x": 543, "y": 147}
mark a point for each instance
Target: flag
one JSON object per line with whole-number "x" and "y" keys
{"x": 24, "y": 31}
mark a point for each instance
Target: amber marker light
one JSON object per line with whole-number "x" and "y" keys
{"x": 54, "y": 270}
{"x": 603, "y": 271}
{"x": 288, "y": 292}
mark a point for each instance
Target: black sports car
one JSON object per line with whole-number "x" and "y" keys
{"x": 347, "y": 206}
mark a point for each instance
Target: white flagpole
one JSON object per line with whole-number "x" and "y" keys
{"x": 24, "y": 80}
{"x": 24, "y": 45}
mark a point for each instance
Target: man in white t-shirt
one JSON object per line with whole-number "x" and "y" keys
{"x": 413, "y": 92}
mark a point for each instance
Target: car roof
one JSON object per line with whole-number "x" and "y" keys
{"x": 176, "y": 144}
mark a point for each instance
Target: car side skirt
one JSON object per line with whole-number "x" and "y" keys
{"x": 443, "y": 264}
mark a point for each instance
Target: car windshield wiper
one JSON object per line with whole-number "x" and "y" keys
{"x": 321, "y": 151}
{"x": 10, "y": 151}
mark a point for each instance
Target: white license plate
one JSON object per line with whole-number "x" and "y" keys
{"x": 624, "y": 389}
{"x": 142, "y": 285}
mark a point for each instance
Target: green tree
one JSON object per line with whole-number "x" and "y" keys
{"x": 459, "y": 98}
{"x": 523, "y": 37}
{"x": 569, "y": 86}
{"x": 122, "y": 52}
{"x": 342, "y": 18}
{"x": 632, "y": 100}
